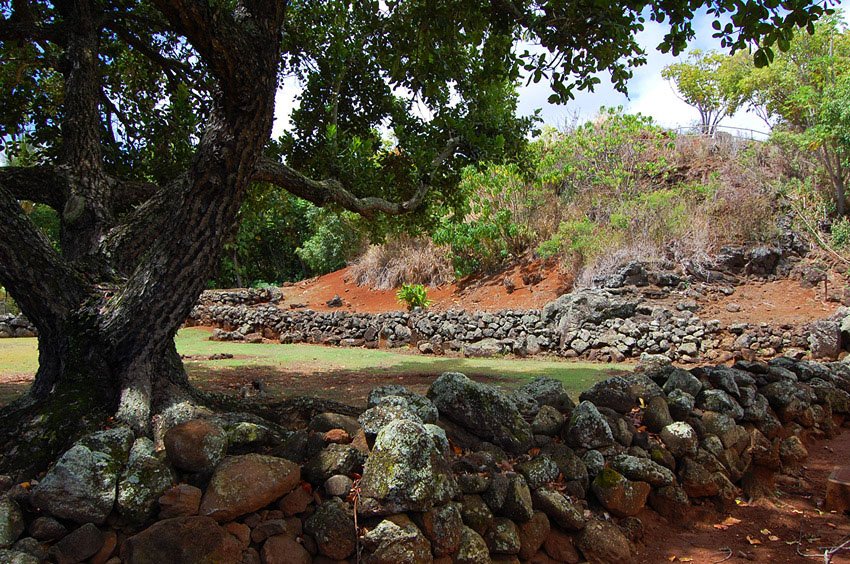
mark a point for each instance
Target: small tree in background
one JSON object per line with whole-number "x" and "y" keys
{"x": 708, "y": 81}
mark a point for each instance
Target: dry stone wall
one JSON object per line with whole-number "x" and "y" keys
{"x": 467, "y": 473}
{"x": 596, "y": 324}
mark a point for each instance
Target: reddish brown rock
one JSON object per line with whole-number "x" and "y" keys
{"x": 195, "y": 446}
{"x": 240, "y": 531}
{"x": 559, "y": 545}
{"x": 532, "y": 535}
{"x": 110, "y": 541}
{"x": 182, "y": 540}
{"x": 284, "y": 550}
{"x": 79, "y": 545}
{"x": 182, "y": 500}
{"x": 295, "y": 502}
{"x": 339, "y": 436}
{"x": 268, "y": 529}
{"x": 242, "y": 484}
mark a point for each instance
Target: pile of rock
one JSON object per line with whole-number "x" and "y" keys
{"x": 605, "y": 325}
{"x": 16, "y": 326}
{"x": 241, "y": 296}
{"x": 468, "y": 473}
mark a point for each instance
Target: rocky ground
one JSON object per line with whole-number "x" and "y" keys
{"x": 465, "y": 473}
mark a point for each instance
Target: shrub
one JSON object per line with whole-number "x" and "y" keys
{"x": 403, "y": 260}
{"x": 335, "y": 239}
{"x": 413, "y": 295}
{"x": 840, "y": 232}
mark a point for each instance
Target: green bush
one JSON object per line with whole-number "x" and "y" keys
{"x": 840, "y": 233}
{"x": 413, "y": 295}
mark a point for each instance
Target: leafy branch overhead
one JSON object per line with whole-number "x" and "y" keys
{"x": 144, "y": 123}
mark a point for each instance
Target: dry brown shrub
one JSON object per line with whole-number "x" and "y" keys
{"x": 403, "y": 260}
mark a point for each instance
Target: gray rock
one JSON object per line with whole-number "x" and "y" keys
{"x": 825, "y": 339}
{"x": 485, "y": 348}
{"x": 539, "y": 471}
{"x": 47, "y": 529}
{"x": 656, "y": 416}
{"x": 418, "y": 404}
{"x": 331, "y": 460}
{"x": 684, "y": 381}
{"x": 324, "y": 422}
{"x": 391, "y": 408}
{"x": 144, "y": 479}
{"x": 602, "y": 542}
{"x": 482, "y": 410}
{"x": 680, "y": 404}
{"x": 442, "y": 526}
{"x": 548, "y": 421}
{"x": 397, "y": 540}
{"x": 509, "y": 496}
{"x": 16, "y": 557}
{"x": 338, "y": 485}
{"x": 82, "y": 486}
{"x": 405, "y": 472}
{"x": 614, "y": 393}
{"x": 476, "y": 513}
{"x": 33, "y": 547}
{"x": 670, "y": 502}
{"x": 559, "y": 509}
{"x": 594, "y": 461}
{"x": 503, "y": 537}
{"x": 11, "y": 522}
{"x": 720, "y": 402}
{"x": 79, "y": 545}
{"x": 548, "y": 392}
{"x": 573, "y": 310}
{"x": 680, "y": 439}
{"x": 587, "y": 428}
{"x": 643, "y": 470}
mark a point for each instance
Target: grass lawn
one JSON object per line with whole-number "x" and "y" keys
{"x": 343, "y": 374}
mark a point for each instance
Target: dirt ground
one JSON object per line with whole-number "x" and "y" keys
{"x": 791, "y": 528}
{"x": 777, "y": 302}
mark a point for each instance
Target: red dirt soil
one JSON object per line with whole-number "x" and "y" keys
{"x": 776, "y": 302}
{"x": 793, "y": 527}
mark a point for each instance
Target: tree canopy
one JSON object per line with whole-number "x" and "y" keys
{"x": 148, "y": 120}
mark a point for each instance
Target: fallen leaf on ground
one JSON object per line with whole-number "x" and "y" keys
{"x": 753, "y": 540}
{"x": 773, "y": 538}
{"x": 765, "y": 531}
{"x": 728, "y": 522}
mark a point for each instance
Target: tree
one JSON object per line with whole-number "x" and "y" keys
{"x": 151, "y": 119}
{"x": 801, "y": 95}
{"x": 708, "y": 81}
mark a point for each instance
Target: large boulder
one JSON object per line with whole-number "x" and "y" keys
{"x": 405, "y": 472}
{"x": 144, "y": 480}
{"x": 825, "y": 339}
{"x": 182, "y": 540}
{"x": 246, "y": 483}
{"x": 572, "y": 310}
{"x": 614, "y": 393}
{"x": 420, "y": 405}
{"x": 397, "y": 539}
{"x": 482, "y": 410}
{"x": 82, "y": 486}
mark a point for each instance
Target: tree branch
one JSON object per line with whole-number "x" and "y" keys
{"x": 42, "y": 283}
{"x": 39, "y": 184}
{"x": 331, "y": 191}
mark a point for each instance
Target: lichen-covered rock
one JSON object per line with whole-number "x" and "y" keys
{"x": 680, "y": 404}
{"x": 196, "y": 445}
{"x": 614, "y": 393}
{"x": 473, "y": 549}
{"x": 11, "y": 522}
{"x": 602, "y": 542}
{"x": 548, "y": 392}
{"x": 825, "y": 338}
{"x": 143, "y": 481}
{"x": 539, "y": 471}
{"x": 182, "y": 540}
{"x": 587, "y": 428}
{"x": 481, "y": 410}
{"x": 720, "y": 402}
{"x": 394, "y": 540}
{"x": 559, "y": 509}
{"x": 570, "y": 464}
{"x": 16, "y": 557}
{"x": 680, "y": 439}
{"x": 503, "y": 537}
{"x": 405, "y": 472}
{"x": 590, "y": 305}
{"x": 332, "y": 526}
{"x": 476, "y": 514}
{"x": 376, "y": 418}
{"x": 31, "y": 546}
{"x": 548, "y": 421}
{"x": 246, "y": 483}
{"x": 81, "y": 486}
{"x": 643, "y": 470}
{"x": 792, "y": 453}
{"x": 788, "y": 399}
{"x": 421, "y": 406}
{"x": 331, "y": 460}
{"x": 620, "y": 496}
{"x": 442, "y": 526}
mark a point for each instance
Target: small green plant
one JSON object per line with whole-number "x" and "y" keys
{"x": 413, "y": 295}
{"x": 840, "y": 233}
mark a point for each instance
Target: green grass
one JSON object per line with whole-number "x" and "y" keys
{"x": 339, "y": 373}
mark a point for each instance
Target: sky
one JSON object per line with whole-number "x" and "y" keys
{"x": 649, "y": 94}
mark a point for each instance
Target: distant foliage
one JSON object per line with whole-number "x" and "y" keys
{"x": 403, "y": 260}
{"x": 413, "y": 295}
